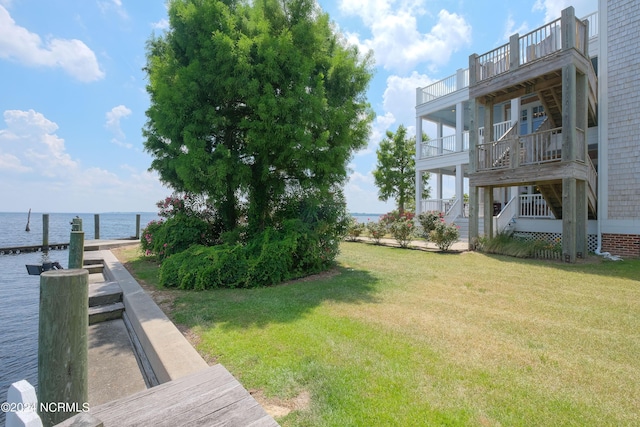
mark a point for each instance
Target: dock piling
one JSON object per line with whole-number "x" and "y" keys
{"x": 76, "y": 244}
{"x": 45, "y": 233}
{"x": 63, "y": 388}
{"x": 96, "y": 226}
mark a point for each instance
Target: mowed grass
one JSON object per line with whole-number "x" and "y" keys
{"x": 412, "y": 338}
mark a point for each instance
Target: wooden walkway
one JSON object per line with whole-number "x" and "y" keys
{"x": 212, "y": 397}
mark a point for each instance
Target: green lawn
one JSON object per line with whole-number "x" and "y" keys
{"x": 412, "y": 338}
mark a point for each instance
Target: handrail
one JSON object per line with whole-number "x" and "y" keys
{"x": 506, "y": 215}
{"x": 592, "y": 176}
{"x": 491, "y": 155}
{"x": 499, "y": 129}
{"x": 451, "y": 214}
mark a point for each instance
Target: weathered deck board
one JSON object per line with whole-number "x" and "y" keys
{"x": 212, "y": 397}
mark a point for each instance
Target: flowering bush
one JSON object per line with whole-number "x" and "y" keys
{"x": 428, "y": 221}
{"x": 355, "y": 229}
{"x": 377, "y": 230}
{"x": 186, "y": 220}
{"x": 393, "y": 216}
{"x": 403, "y": 231}
{"x": 444, "y": 235}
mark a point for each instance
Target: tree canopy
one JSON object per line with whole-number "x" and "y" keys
{"x": 395, "y": 171}
{"x": 252, "y": 101}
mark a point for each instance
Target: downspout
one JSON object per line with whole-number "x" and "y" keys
{"x": 603, "y": 118}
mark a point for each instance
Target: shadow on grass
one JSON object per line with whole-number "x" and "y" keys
{"x": 288, "y": 302}
{"x": 593, "y": 264}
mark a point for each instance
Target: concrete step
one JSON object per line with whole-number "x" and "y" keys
{"x": 93, "y": 268}
{"x": 104, "y": 293}
{"x": 105, "y": 312}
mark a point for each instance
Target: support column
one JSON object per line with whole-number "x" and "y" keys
{"x": 488, "y": 211}
{"x": 419, "y": 190}
{"x": 460, "y": 189}
{"x": 569, "y": 219}
{"x": 582, "y": 217}
{"x": 439, "y": 137}
{"x": 473, "y": 216}
{"x": 418, "y": 172}
{"x": 459, "y": 127}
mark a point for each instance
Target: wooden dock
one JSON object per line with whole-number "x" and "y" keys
{"x": 31, "y": 248}
{"x": 212, "y": 397}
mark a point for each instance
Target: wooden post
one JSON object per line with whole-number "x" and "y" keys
{"x": 62, "y": 344}
{"x": 45, "y": 233}
{"x": 76, "y": 244}
{"x": 137, "y": 227}
{"x": 27, "y": 228}
{"x": 96, "y": 226}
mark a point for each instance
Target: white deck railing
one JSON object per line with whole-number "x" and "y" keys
{"x": 594, "y": 22}
{"x": 443, "y": 87}
{"x": 442, "y": 146}
{"x": 438, "y": 205}
{"x": 534, "y": 206}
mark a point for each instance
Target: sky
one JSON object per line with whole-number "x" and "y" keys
{"x": 73, "y": 96}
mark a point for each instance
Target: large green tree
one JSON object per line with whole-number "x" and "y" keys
{"x": 254, "y": 100}
{"x": 395, "y": 171}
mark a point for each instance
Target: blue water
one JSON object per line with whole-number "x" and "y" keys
{"x": 19, "y": 292}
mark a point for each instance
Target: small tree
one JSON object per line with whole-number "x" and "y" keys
{"x": 395, "y": 171}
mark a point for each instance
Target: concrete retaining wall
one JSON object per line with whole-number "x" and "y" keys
{"x": 171, "y": 356}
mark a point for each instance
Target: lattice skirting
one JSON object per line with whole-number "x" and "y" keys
{"x": 592, "y": 239}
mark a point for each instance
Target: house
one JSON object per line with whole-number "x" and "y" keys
{"x": 544, "y": 131}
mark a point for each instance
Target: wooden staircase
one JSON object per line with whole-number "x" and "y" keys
{"x": 552, "y": 193}
{"x": 551, "y": 100}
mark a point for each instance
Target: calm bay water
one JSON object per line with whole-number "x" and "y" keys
{"x": 19, "y": 292}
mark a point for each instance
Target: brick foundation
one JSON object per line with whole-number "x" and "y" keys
{"x": 624, "y": 245}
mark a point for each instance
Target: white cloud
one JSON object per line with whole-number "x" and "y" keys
{"x": 34, "y": 159}
{"x": 73, "y": 56}
{"x": 162, "y": 24}
{"x": 396, "y": 40}
{"x": 30, "y": 144}
{"x": 113, "y": 124}
{"x": 553, "y": 8}
{"x": 106, "y": 6}
{"x": 510, "y": 28}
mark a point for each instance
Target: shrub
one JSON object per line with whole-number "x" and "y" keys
{"x": 186, "y": 220}
{"x": 303, "y": 239}
{"x": 355, "y": 229}
{"x": 393, "y": 216}
{"x": 444, "y": 235}
{"x": 376, "y": 230}
{"x": 403, "y": 231}
{"x": 505, "y": 243}
{"x": 428, "y": 221}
